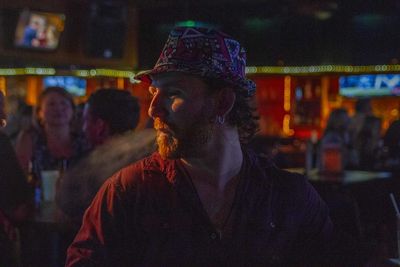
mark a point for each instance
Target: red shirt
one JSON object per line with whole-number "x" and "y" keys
{"x": 148, "y": 214}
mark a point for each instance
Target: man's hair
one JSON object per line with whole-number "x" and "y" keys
{"x": 243, "y": 114}
{"x": 338, "y": 121}
{"x": 363, "y": 105}
{"x": 57, "y": 90}
{"x": 116, "y": 107}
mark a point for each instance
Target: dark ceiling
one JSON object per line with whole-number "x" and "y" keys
{"x": 287, "y": 32}
{"x": 281, "y": 7}
{"x": 274, "y": 32}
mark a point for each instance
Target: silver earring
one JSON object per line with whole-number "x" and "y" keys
{"x": 220, "y": 119}
{"x": 3, "y": 123}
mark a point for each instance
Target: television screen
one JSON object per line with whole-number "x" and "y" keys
{"x": 75, "y": 86}
{"x": 39, "y": 30}
{"x": 370, "y": 85}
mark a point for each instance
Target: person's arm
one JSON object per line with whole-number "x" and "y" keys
{"x": 101, "y": 239}
{"x": 23, "y": 148}
{"x": 15, "y": 198}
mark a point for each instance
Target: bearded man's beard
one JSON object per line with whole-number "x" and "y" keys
{"x": 187, "y": 141}
{"x": 167, "y": 143}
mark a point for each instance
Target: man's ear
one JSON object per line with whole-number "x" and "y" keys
{"x": 102, "y": 128}
{"x": 225, "y": 101}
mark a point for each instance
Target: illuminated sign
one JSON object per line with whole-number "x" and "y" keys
{"x": 370, "y": 85}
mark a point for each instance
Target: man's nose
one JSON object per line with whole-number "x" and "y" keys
{"x": 157, "y": 106}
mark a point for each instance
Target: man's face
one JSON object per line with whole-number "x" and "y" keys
{"x": 183, "y": 114}
{"x": 2, "y": 112}
{"x": 92, "y": 127}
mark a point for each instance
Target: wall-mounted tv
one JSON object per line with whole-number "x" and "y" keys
{"x": 370, "y": 85}
{"x": 74, "y": 85}
{"x": 39, "y": 30}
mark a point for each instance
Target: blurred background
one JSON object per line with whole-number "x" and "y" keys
{"x": 307, "y": 57}
{"x": 327, "y": 75}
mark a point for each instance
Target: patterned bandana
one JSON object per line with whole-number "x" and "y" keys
{"x": 204, "y": 52}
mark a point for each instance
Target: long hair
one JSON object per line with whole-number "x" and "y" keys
{"x": 338, "y": 122}
{"x": 243, "y": 114}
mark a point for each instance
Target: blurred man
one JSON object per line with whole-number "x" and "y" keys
{"x": 364, "y": 134}
{"x": 109, "y": 116}
{"x": 109, "y": 119}
{"x": 203, "y": 199}
{"x": 109, "y": 112}
{"x": 363, "y": 109}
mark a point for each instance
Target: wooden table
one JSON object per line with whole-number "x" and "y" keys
{"x": 395, "y": 261}
{"x": 345, "y": 178}
{"x": 348, "y": 177}
{"x": 359, "y": 203}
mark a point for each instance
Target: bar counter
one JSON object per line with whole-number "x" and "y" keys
{"x": 359, "y": 203}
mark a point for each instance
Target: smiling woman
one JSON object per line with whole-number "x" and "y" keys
{"x": 51, "y": 141}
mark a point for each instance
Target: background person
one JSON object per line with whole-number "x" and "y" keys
{"x": 368, "y": 143}
{"x": 109, "y": 112}
{"x": 31, "y": 29}
{"x": 391, "y": 140}
{"x": 336, "y": 138}
{"x": 51, "y": 140}
{"x": 15, "y": 197}
{"x": 19, "y": 117}
{"x": 109, "y": 119}
{"x": 363, "y": 109}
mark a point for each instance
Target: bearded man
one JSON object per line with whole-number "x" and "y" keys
{"x": 204, "y": 199}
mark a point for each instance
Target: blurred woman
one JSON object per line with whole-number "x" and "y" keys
{"x": 51, "y": 141}
{"x": 367, "y": 143}
{"x": 335, "y": 148}
{"x": 392, "y": 139}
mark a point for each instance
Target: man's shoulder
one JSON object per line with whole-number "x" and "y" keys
{"x": 285, "y": 179}
{"x": 278, "y": 176}
{"x": 142, "y": 171}
{"x": 282, "y": 182}
{"x": 290, "y": 188}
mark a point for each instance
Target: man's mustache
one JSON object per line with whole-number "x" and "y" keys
{"x": 162, "y": 126}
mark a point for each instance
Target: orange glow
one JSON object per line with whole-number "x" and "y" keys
{"x": 33, "y": 89}
{"x": 3, "y": 85}
{"x": 286, "y": 126}
{"x": 120, "y": 83}
{"x": 325, "y": 109}
{"x": 286, "y": 94}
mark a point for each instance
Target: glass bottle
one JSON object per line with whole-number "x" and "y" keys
{"x": 62, "y": 169}
{"x": 311, "y": 152}
{"x": 34, "y": 182}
